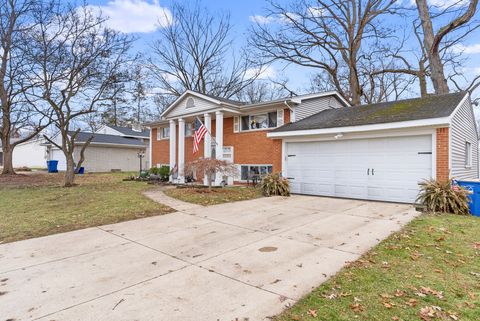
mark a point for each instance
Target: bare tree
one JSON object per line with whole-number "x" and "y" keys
{"x": 195, "y": 52}
{"x": 76, "y": 58}
{"x": 432, "y": 40}
{"x": 262, "y": 90}
{"x": 16, "y": 114}
{"x": 330, "y": 36}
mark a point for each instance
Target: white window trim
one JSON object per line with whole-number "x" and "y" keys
{"x": 240, "y": 130}
{"x": 240, "y": 170}
{"x": 192, "y": 131}
{"x": 189, "y": 99}
{"x": 160, "y": 165}
{"x": 468, "y": 158}
{"x": 160, "y": 133}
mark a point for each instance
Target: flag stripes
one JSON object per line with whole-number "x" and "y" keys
{"x": 198, "y": 136}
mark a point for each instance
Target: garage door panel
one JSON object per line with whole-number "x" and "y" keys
{"x": 339, "y": 168}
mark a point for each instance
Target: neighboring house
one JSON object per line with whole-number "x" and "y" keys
{"x": 32, "y": 154}
{"x": 112, "y": 148}
{"x": 324, "y": 146}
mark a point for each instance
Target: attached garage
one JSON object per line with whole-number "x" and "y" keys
{"x": 375, "y": 168}
{"x": 382, "y": 151}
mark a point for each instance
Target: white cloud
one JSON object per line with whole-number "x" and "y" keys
{"x": 265, "y": 73}
{"x": 316, "y": 11}
{"x": 281, "y": 18}
{"x": 262, "y": 20}
{"x": 470, "y": 49}
{"x": 444, "y": 3}
{"x": 131, "y": 16}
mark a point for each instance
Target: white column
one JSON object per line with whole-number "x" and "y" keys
{"x": 181, "y": 151}
{"x": 219, "y": 142}
{"x": 173, "y": 135}
{"x": 150, "y": 164}
{"x": 207, "y": 141}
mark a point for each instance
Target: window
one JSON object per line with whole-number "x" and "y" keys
{"x": 260, "y": 121}
{"x": 163, "y": 133}
{"x": 190, "y": 102}
{"x": 250, "y": 171}
{"x": 468, "y": 154}
{"x": 188, "y": 129}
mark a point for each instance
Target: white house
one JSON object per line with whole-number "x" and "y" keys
{"x": 112, "y": 148}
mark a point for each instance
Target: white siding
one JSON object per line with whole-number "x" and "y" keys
{"x": 463, "y": 129}
{"x": 200, "y": 105}
{"x": 104, "y": 159}
{"x": 315, "y": 105}
{"x": 30, "y": 154}
{"x": 57, "y": 154}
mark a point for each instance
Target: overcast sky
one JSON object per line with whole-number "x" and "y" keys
{"x": 143, "y": 17}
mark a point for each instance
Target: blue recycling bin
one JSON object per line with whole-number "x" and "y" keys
{"x": 52, "y": 166}
{"x": 474, "y": 188}
{"x": 81, "y": 170}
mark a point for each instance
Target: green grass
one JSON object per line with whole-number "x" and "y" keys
{"x": 432, "y": 266}
{"x": 203, "y": 196}
{"x": 48, "y": 208}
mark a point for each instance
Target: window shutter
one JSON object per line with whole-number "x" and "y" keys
{"x": 279, "y": 117}
{"x": 236, "y": 124}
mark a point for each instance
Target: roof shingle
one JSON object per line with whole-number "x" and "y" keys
{"x": 108, "y": 139}
{"x": 437, "y": 106}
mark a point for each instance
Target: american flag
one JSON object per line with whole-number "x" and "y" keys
{"x": 200, "y": 131}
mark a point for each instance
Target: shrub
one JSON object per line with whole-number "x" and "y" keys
{"x": 162, "y": 171}
{"x": 441, "y": 197}
{"x": 154, "y": 171}
{"x": 275, "y": 184}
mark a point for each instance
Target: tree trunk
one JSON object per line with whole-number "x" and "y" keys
{"x": 355, "y": 90}
{"x": 422, "y": 79}
{"x": 436, "y": 66}
{"x": 7, "y": 160}
{"x": 70, "y": 171}
{"x": 437, "y": 74}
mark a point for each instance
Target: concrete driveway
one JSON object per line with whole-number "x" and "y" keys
{"x": 247, "y": 259}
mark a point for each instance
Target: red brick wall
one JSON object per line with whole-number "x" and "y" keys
{"x": 160, "y": 149}
{"x": 249, "y": 147}
{"x": 443, "y": 171}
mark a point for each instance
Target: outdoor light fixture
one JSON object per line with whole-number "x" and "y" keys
{"x": 140, "y": 155}
{"x": 339, "y": 135}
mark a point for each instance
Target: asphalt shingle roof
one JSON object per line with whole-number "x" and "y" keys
{"x": 127, "y": 131}
{"x": 108, "y": 139}
{"x": 225, "y": 100}
{"x": 437, "y": 106}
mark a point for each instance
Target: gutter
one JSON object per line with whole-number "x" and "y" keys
{"x": 292, "y": 112}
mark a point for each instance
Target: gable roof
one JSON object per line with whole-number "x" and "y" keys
{"x": 224, "y": 100}
{"x": 127, "y": 131}
{"x": 437, "y": 106}
{"x": 82, "y": 137}
{"x": 211, "y": 98}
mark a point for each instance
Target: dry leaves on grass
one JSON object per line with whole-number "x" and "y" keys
{"x": 312, "y": 312}
{"x": 424, "y": 291}
{"x": 435, "y": 312}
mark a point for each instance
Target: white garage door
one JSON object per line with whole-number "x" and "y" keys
{"x": 386, "y": 169}
{"x": 58, "y": 155}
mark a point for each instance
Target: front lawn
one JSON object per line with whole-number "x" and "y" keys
{"x": 36, "y": 205}
{"x": 429, "y": 271}
{"x": 203, "y": 196}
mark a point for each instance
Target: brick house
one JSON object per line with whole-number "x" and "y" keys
{"x": 325, "y": 146}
